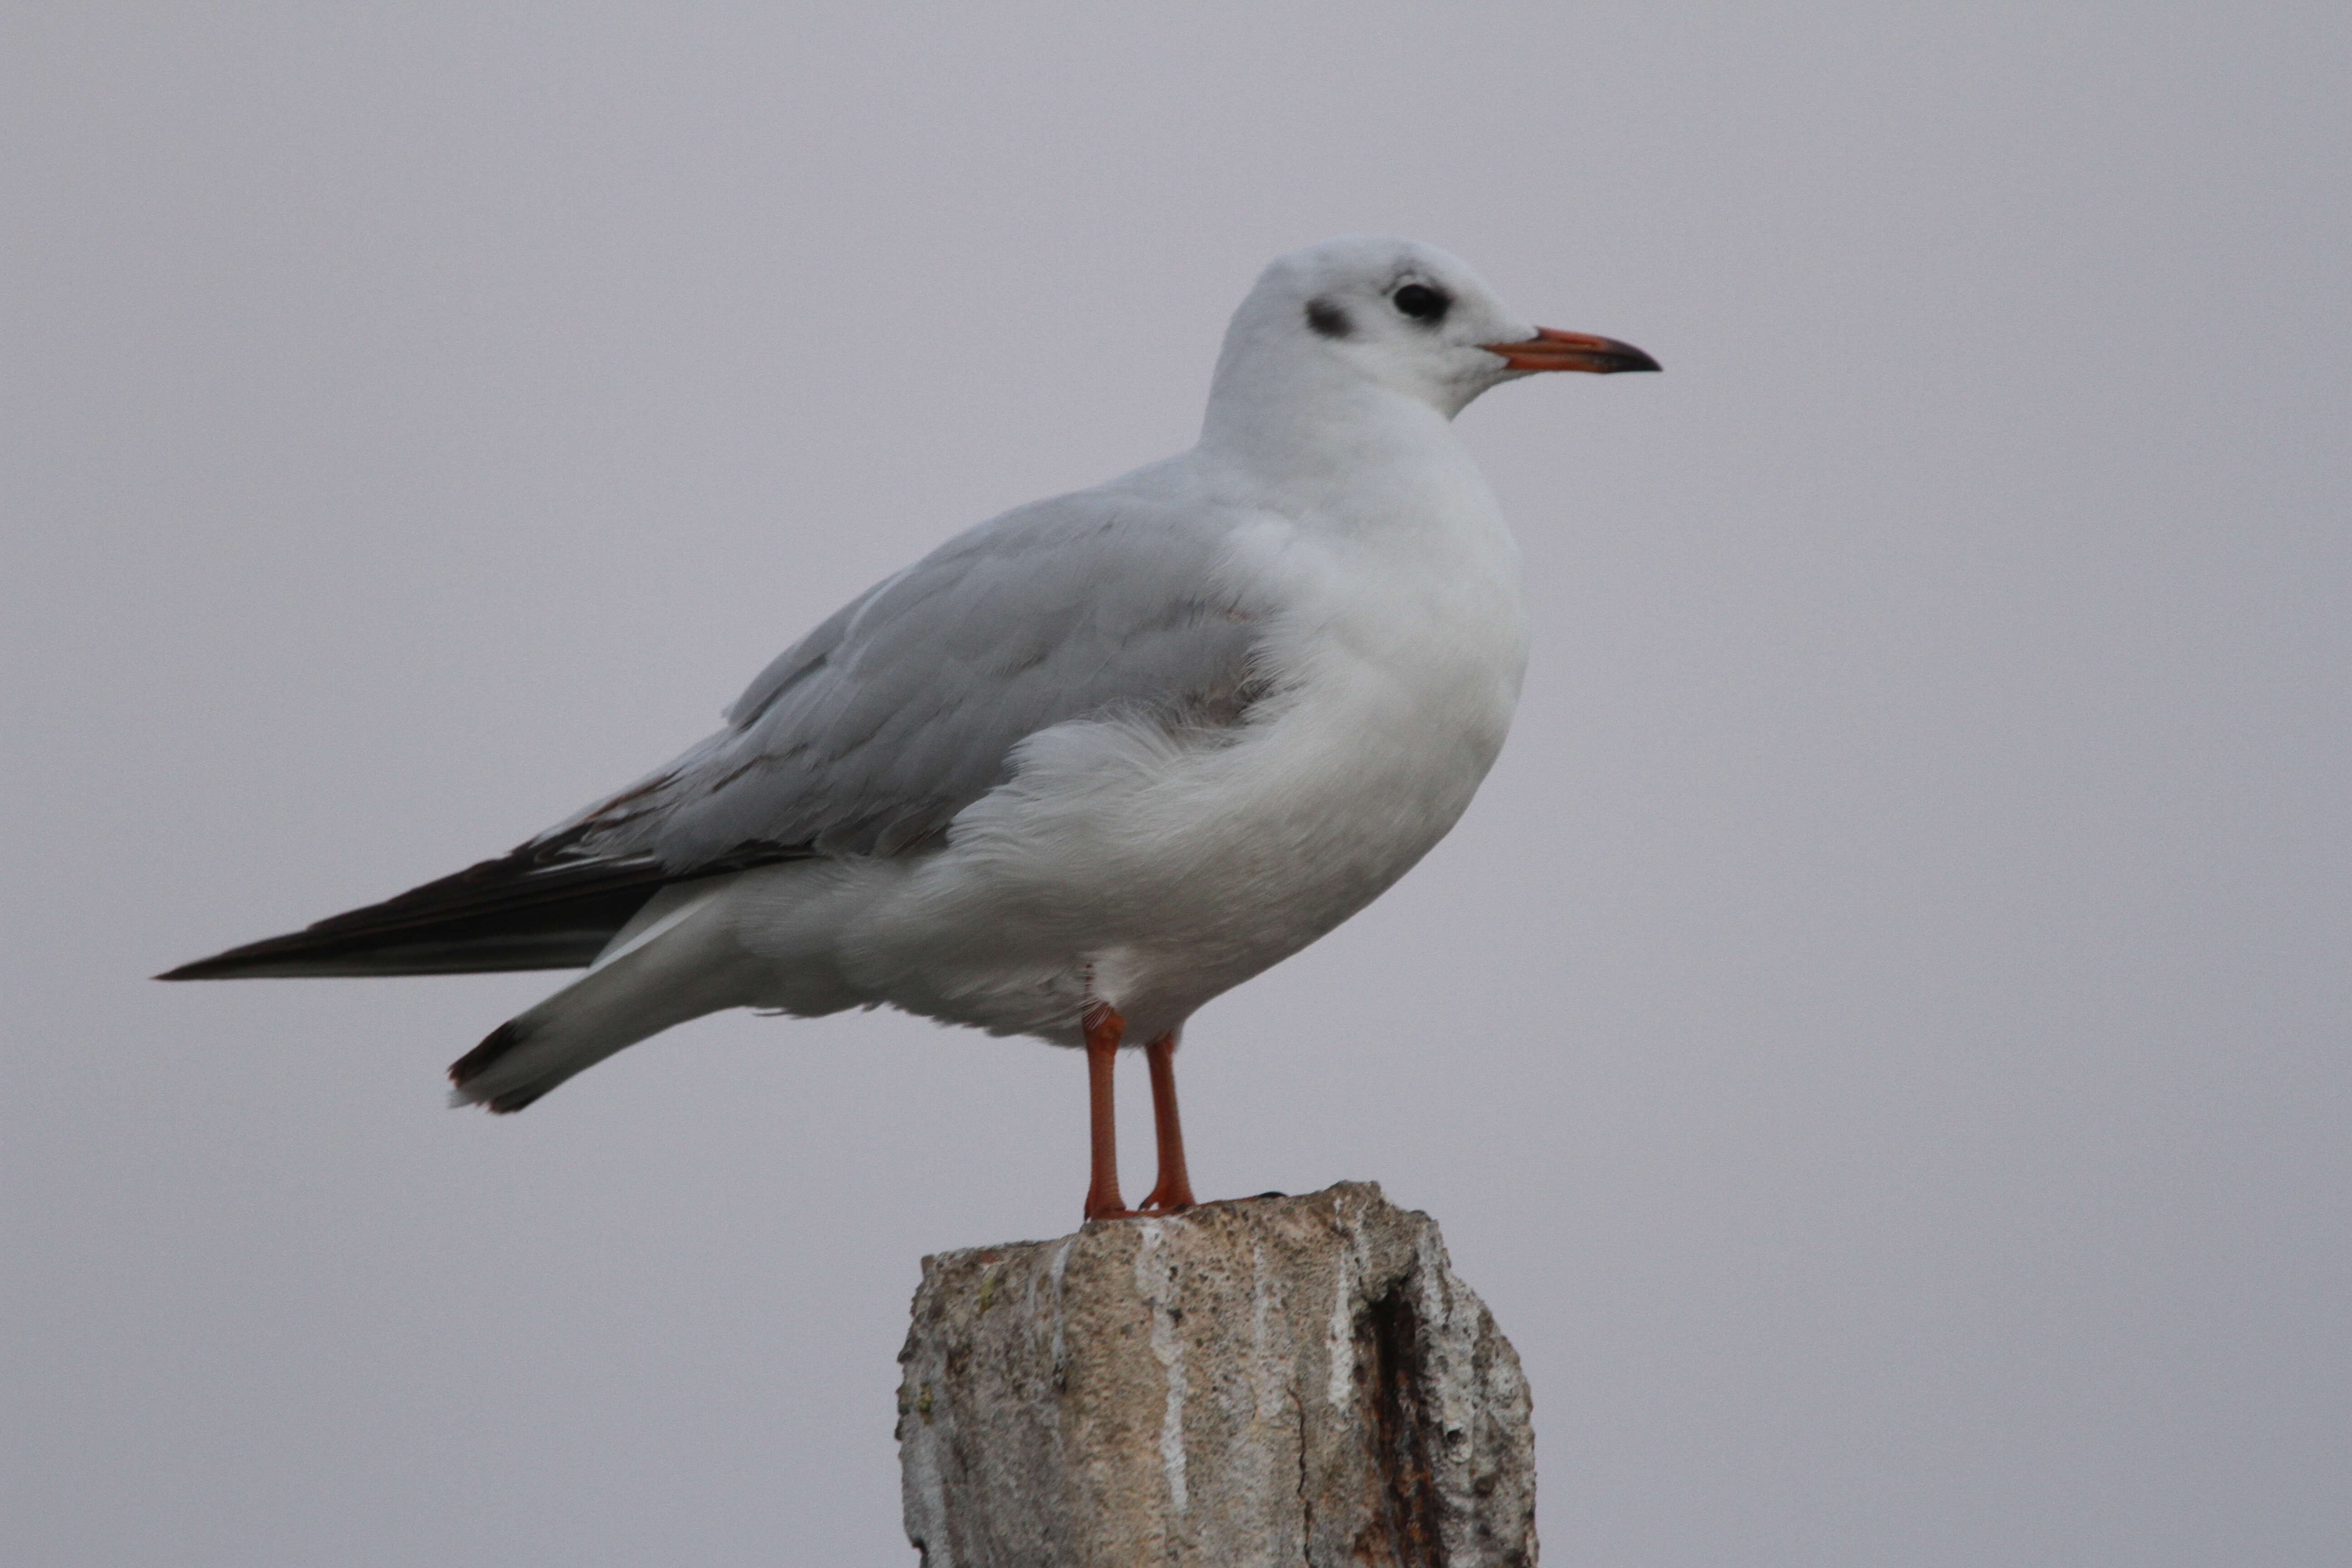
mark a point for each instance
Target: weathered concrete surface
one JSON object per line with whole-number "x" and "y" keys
{"x": 1274, "y": 1381}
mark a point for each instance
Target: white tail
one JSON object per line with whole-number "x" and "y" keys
{"x": 676, "y": 960}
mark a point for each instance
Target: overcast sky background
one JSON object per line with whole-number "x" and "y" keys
{"x": 1878, "y": 1041}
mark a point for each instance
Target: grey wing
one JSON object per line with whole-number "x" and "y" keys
{"x": 873, "y": 731}
{"x": 866, "y": 737}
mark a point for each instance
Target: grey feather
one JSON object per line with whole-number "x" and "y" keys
{"x": 865, "y": 737}
{"x": 871, "y": 732}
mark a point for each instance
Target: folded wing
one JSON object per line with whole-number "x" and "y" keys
{"x": 866, "y": 737}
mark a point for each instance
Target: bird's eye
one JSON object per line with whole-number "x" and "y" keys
{"x": 1422, "y": 303}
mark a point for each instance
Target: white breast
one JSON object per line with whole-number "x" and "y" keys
{"x": 1154, "y": 871}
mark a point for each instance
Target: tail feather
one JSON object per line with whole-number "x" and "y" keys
{"x": 479, "y": 1060}
{"x": 681, "y": 962}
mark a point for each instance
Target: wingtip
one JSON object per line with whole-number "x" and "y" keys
{"x": 254, "y": 960}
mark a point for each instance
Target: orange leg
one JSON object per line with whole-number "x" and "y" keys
{"x": 1174, "y": 1189}
{"x": 1103, "y": 1027}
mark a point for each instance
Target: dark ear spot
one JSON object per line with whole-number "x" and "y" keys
{"x": 1329, "y": 318}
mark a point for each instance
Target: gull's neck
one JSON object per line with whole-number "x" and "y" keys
{"x": 1300, "y": 423}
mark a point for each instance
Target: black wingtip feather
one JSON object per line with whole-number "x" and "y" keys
{"x": 529, "y": 910}
{"x": 512, "y": 914}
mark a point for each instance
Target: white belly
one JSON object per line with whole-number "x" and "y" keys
{"x": 1154, "y": 871}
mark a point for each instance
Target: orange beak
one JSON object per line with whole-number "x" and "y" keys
{"x": 1552, "y": 350}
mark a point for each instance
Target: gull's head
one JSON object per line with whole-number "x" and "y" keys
{"x": 1402, "y": 315}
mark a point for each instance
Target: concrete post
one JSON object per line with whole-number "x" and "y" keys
{"x": 1275, "y": 1381}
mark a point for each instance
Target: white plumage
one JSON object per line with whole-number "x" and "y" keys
{"x": 1111, "y": 754}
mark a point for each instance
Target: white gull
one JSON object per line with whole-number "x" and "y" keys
{"x": 1082, "y": 768}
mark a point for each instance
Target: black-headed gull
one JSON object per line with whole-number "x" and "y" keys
{"x": 1080, "y": 768}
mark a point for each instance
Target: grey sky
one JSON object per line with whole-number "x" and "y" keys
{"x": 1878, "y": 1041}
